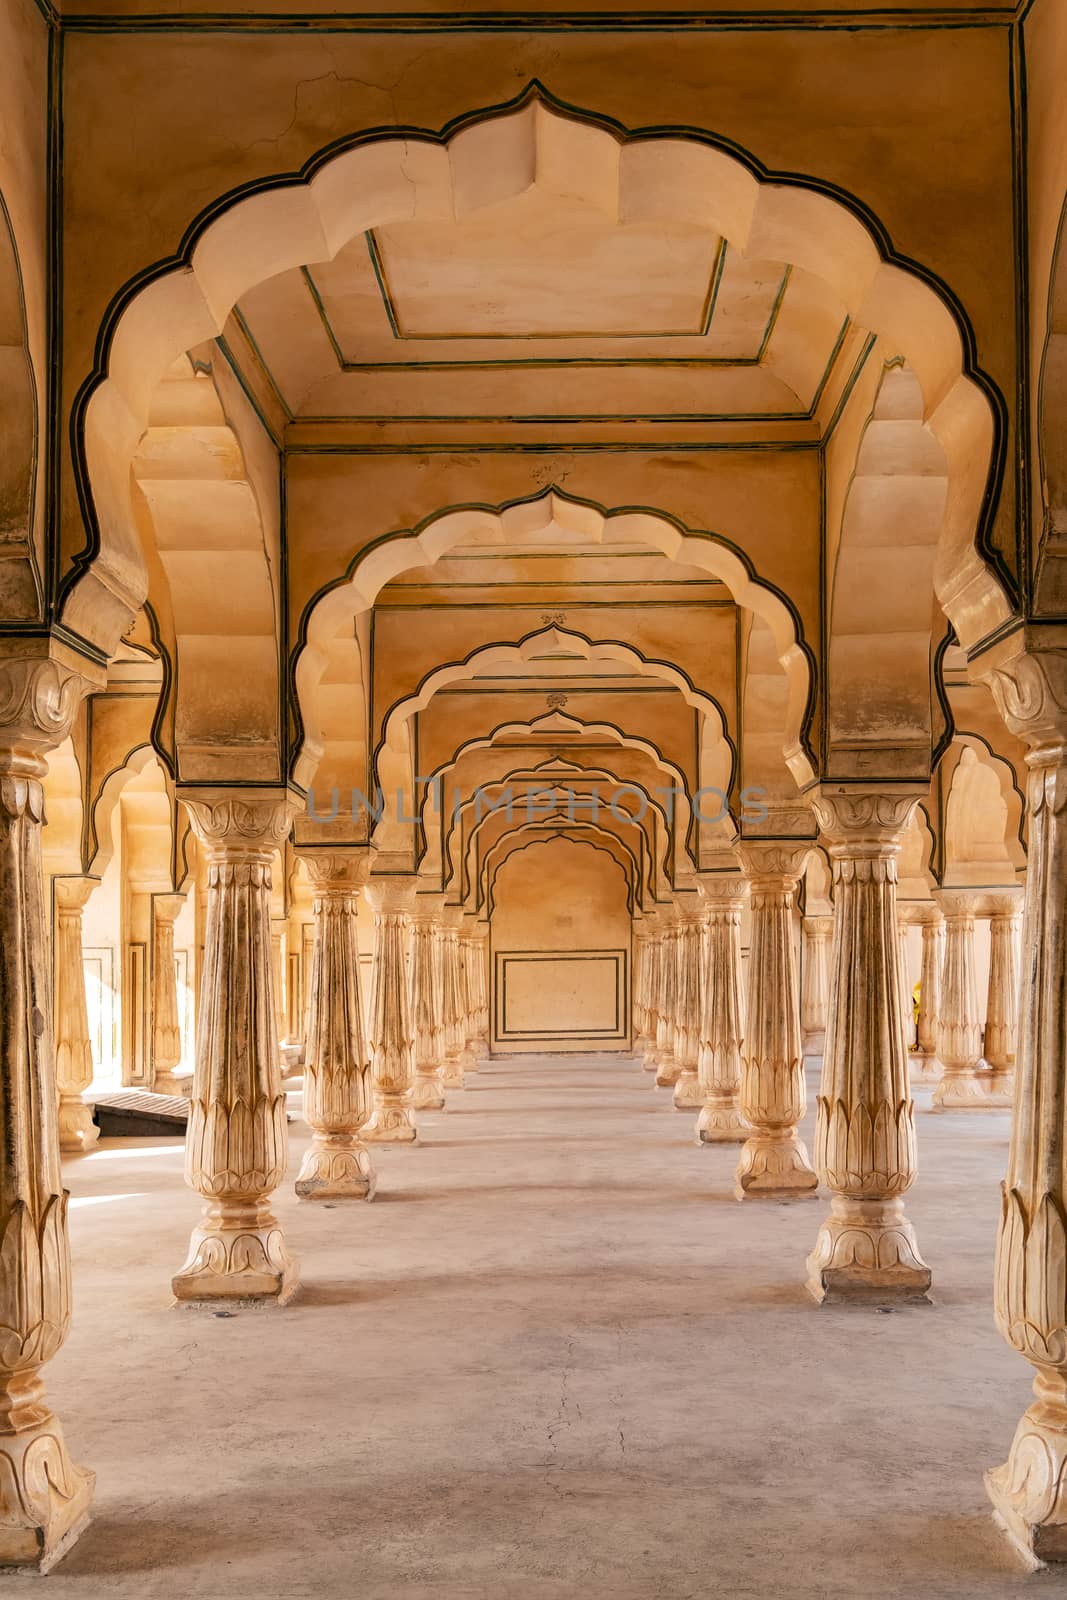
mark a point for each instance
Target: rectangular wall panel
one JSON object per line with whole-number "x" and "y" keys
{"x": 561, "y": 998}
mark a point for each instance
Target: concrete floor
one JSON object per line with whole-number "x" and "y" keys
{"x": 554, "y": 1358}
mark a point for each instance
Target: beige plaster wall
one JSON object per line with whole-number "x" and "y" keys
{"x": 552, "y": 899}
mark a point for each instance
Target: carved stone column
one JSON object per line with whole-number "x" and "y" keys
{"x": 468, "y": 967}
{"x": 74, "y": 1051}
{"x": 455, "y": 1056}
{"x": 166, "y": 1029}
{"x": 392, "y": 1042}
{"x": 667, "y": 1065}
{"x": 865, "y": 1134}
{"x": 925, "y": 1059}
{"x": 1005, "y": 915}
{"x": 46, "y": 1499}
{"x": 337, "y": 1164}
{"x": 638, "y": 1006}
{"x": 427, "y": 1093}
{"x": 960, "y": 1088}
{"x": 774, "y": 1163}
{"x": 722, "y": 1013}
{"x": 237, "y": 1143}
{"x": 1029, "y": 1491}
{"x": 688, "y": 1094}
{"x": 815, "y": 985}
{"x": 907, "y": 1009}
{"x": 479, "y": 947}
{"x": 653, "y": 947}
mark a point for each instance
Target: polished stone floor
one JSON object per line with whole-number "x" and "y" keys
{"x": 554, "y": 1358}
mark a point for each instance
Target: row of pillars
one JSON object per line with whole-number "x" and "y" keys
{"x": 236, "y": 1147}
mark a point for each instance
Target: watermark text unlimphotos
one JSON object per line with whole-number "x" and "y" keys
{"x": 535, "y": 803}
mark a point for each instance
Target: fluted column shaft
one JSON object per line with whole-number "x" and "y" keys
{"x": 74, "y": 1051}
{"x": 722, "y": 1014}
{"x": 337, "y": 1164}
{"x": 457, "y": 1056}
{"x": 651, "y": 986}
{"x": 774, "y": 1162}
{"x": 688, "y": 1095}
{"x": 1002, "y": 995}
{"x": 638, "y": 1003}
{"x": 46, "y": 1499}
{"x": 960, "y": 1030}
{"x": 236, "y": 1144}
{"x": 929, "y": 1024}
{"x": 907, "y": 1010}
{"x": 815, "y": 981}
{"x": 392, "y": 1039}
{"x": 865, "y": 1133}
{"x": 667, "y": 1065}
{"x": 166, "y": 1026}
{"x": 427, "y": 1093}
{"x": 479, "y": 961}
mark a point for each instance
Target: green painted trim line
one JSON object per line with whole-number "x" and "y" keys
{"x": 378, "y": 268}
{"x": 619, "y": 447}
{"x": 249, "y": 337}
{"x": 53, "y": 318}
{"x": 876, "y": 19}
{"x": 557, "y": 419}
{"x": 1020, "y": 181}
{"x": 248, "y": 392}
{"x": 162, "y": 705}
{"x": 713, "y": 288}
{"x": 846, "y": 393}
{"x": 775, "y": 310}
{"x": 316, "y": 300}
{"x": 820, "y": 387}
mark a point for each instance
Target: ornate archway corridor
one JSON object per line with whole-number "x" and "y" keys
{"x": 554, "y": 1357}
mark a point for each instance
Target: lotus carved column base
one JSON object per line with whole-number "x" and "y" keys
{"x": 337, "y": 1166}
{"x": 238, "y": 1255}
{"x": 177, "y": 1083}
{"x": 427, "y": 1094}
{"x": 45, "y": 1501}
{"x": 721, "y": 1122}
{"x": 668, "y": 1071}
{"x": 972, "y": 1091}
{"x": 688, "y": 1095}
{"x": 775, "y": 1167}
{"x": 651, "y": 1059}
{"x": 924, "y": 1069}
{"x": 867, "y": 1254}
{"x": 452, "y": 1072}
{"x": 77, "y": 1130}
{"x": 391, "y": 1122}
{"x": 1029, "y": 1492}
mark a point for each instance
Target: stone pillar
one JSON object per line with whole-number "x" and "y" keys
{"x": 688, "y": 1095}
{"x": 337, "y": 1164}
{"x": 74, "y": 1051}
{"x": 1029, "y": 1492}
{"x": 866, "y": 1249}
{"x": 237, "y": 1143}
{"x": 1005, "y": 913}
{"x": 774, "y": 1163}
{"x": 928, "y": 1066}
{"x": 46, "y": 1499}
{"x": 815, "y": 985}
{"x": 277, "y": 956}
{"x": 907, "y": 1008}
{"x": 427, "y": 1093}
{"x": 392, "y": 1042}
{"x": 722, "y": 1024}
{"x": 468, "y": 967}
{"x": 653, "y": 947}
{"x": 479, "y": 962}
{"x": 959, "y": 1031}
{"x": 667, "y": 1065}
{"x": 166, "y": 1029}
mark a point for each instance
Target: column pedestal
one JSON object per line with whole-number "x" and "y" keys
{"x": 337, "y": 1164}
{"x": 74, "y": 1051}
{"x": 391, "y": 1037}
{"x": 236, "y": 1145}
{"x": 774, "y": 1162}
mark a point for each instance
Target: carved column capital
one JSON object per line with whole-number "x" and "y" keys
{"x": 723, "y": 891}
{"x": 337, "y": 871}
{"x": 864, "y": 818}
{"x": 72, "y": 894}
{"x": 918, "y": 913}
{"x": 391, "y": 896}
{"x": 1028, "y": 679}
{"x": 233, "y": 824}
{"x": 957, "y": 905}
{"x": 40, "y": 692}
{"x": 774, "y": 862}
{"x": 165, "y": 907}
{"x": 1002, "y": 904}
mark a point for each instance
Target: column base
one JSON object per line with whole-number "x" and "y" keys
{"x": 427, "y": 1094}
{"x": 452, "y": 1073}
{"x": 1029, "y": 1491}
{"x": 237, "y": 1254}
{"x": 668, "y": 1071}
{"x": 77, "y": 1130}
{"x": 47, "y": 1501}
{"x": 337, "y": 1166}
{"x": 867, "y": 1254}
{"x": 775, "y": 1167}
{"x": 814, "y": 1043}
{"x": 651, "y": 1061}
{"x": 688, "y": 1095}
{"x": 924, "y": 1069}
{"x": 391, "y": 1123}
{"x": 721, "y": 1122}
{"x": 970, "y": 1092}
